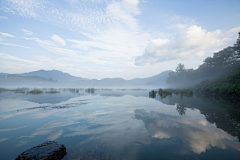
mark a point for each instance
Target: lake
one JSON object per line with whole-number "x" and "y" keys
{"x": 120, "y": 124}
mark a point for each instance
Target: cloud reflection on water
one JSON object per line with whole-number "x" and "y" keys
{"x": 55, "y": 134}
{"x": 197, "y": 133}
{"x": 108, "y": 126}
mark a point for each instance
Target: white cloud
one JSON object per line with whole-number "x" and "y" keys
{"x": 194, "y": 42}
{"x": 48, "y": 62}
{"x": 7, "y": 35}
{"x": 52, "y": 46}
{"x": 16, "y": 45}
{"x": 3, "y": 17}
{"x": 7, "y": 56}
{"x": 29, "y": 33}
{"x": 58, "y": 40}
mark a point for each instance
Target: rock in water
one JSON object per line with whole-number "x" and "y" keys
{"x": 49, "y": 150}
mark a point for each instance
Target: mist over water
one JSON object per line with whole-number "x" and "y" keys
{"x": 114, "y": 123}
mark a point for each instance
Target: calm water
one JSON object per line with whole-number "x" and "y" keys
{"x": 120, "y": 124}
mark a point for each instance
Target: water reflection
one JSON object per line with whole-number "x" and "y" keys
{"x": 120, "y": 124}
{"x": 197, "y": 133}
{"x": 222, "y": 112}
{"x": 181, "y": 109}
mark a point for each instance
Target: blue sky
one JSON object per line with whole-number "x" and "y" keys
{"x": 108, "y": 39}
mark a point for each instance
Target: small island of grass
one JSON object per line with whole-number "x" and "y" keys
{"x": 52, "y": 92}
{"x": 36, "y": 91}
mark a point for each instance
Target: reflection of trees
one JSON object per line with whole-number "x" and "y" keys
{"x": 90, "y": 90}
{"x": 181, "y": 109}
{"x": 152, "y": 94}
{"x": 225, "y": 113}
{"x": 198, "y": 136}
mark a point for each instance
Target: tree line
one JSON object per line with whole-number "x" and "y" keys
{"x": 222, "y": 63}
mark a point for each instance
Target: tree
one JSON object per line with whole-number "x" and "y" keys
{"x": 180, "y": 68}
{"x": 237, "y": 47}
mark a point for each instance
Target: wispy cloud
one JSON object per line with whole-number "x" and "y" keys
{"x": 3, "y": 17}
{"x": 7, "y": 56}
{"x": 58, "y": 40}
{"x": 52, "y": 46}
{"x": 7, "y": 35}
{"x": 24, "y": 8}
{"x": 16, "y": 45}
{"x": 29, "y": 33}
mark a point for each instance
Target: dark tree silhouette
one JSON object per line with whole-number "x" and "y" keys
{"x": 181, "y": 109}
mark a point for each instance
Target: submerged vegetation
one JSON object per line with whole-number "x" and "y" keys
{"x": 168, "y": 92}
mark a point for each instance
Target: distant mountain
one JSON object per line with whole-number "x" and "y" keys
{"x": 54, "y": 74}
{"x": 157, "y": 79}
{"x": 17, "y": 80}
{"x": 3, "y": 73}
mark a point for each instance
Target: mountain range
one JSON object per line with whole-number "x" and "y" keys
{"x": 55, "y": 76}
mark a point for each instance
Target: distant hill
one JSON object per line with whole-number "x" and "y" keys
{"x": 3, "y": 73}
{"x": 54, "y": 74}
{"x": 41, "y": 76}
{"x": 157, "y": 79}
{"x": 17, "y": 80}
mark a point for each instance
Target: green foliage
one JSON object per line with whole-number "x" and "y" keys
{"x": 180, "y": 68}
{"x": 168, "y": 92}
{"x": 152, "y": 94}
{"x": 164, "y": 92}
{"x": 229, "y": 84}
{"x": 36, "y": 91}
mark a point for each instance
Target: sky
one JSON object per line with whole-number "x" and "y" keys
{"x": 113, "y": 38}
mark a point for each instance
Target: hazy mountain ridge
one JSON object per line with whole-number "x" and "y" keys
{"x": 54, "y": 74}
{"x": 59, "y": 76}
{"x": 12, "y": 79}
{"x": 158, "y": 79}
